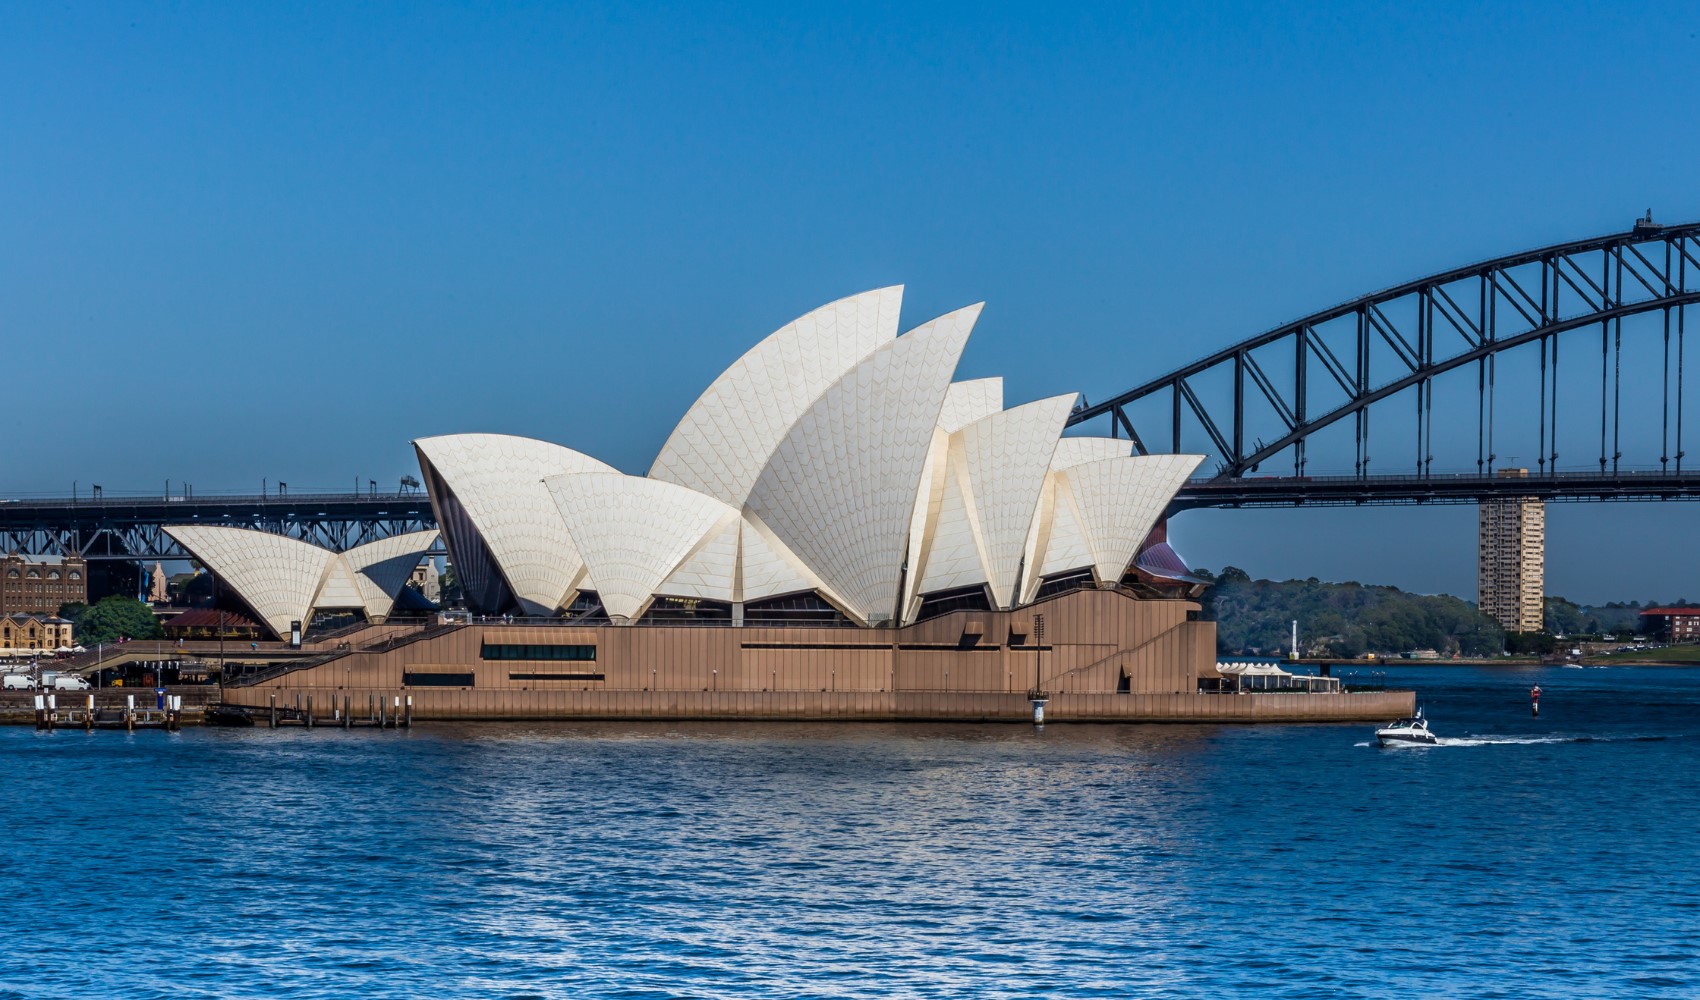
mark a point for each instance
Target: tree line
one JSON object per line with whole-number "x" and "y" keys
{"x": 1254, "y": 617}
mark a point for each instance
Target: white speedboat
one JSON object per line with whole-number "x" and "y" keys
{"x": 1406, "y": 732}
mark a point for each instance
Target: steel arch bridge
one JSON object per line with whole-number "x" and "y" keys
{"x": 130, "y": 529}
{"x": 1276, "y": 392}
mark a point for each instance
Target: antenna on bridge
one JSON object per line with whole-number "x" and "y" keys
{"x": 1647, "y": 225}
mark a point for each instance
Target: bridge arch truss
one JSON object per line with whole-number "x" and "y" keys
{"x": 1273, "y": 393}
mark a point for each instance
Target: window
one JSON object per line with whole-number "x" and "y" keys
{"x": 536, "y": 651}
{"x": 514, "y": 676}
{"x": 410, "y": 679}
{"x": 945, "y": 601}
{"x": 76, "y": 575}
{"x": 53, "y": 574}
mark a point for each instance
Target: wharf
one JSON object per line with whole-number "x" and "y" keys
{"x": 110, "y": 706}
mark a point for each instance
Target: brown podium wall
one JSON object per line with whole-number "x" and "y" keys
{"x": 965, "y": 665}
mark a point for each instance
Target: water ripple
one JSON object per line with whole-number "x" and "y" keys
{"x": 1529, "y": 858}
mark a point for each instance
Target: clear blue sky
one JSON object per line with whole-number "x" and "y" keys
{"x": 247, "y": 241}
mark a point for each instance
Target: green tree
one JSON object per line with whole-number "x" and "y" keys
{"x": 117, "y": 617}
{"x": 1525, "y": 643}
{"x": 1342, "y": 619}
{"x": 73, "y": 611}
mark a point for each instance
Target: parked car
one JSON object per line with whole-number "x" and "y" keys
{"x": 19, "y": 682}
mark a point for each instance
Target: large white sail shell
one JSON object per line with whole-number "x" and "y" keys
{"x": 840, "y": 489}
{"x": 633, "y": 532}
{"x": 275, "y": 576}
{"x": 1119, "y": 501}
{"x": 497, "y": 480}
{"x": 1006, "y": 457}
{"x": 1073, "y": 451}
{"x": 728, "y": 435}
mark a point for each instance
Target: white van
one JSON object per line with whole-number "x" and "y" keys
{"x": 65, "y": 682}
{"x": 18, "y": 682}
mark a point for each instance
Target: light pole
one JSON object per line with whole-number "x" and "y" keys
{"x": 1038, "y": 646}
{"x": 1038, "y": 696}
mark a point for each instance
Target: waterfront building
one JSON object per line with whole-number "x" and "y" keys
{"x": 835, "y": 528}
{"x": 427, "y": 581}
{"x": 24, "y": 634}
{"x": 1511, "y": 570}
{"x": 210, "y": 624}
{"x": 1671, "y": 624}
{"x": 40, "y": 585}
{"x": 285, "y": 582}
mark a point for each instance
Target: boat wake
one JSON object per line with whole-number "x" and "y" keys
{"x": 1488, "y": 741}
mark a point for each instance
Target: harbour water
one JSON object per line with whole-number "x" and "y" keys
{"x": 1550, "y": 857}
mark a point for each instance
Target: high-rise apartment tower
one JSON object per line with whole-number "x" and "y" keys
{"x": 1511, "y": 573}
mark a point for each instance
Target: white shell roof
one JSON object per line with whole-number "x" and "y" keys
{"x": 964, "y": 402}
{"x": 1119, "y": 501}
{"x": 285, "y": 580}
{"x": 710, "y": 571}
{"x": 498, "y": 479}
{"x": 1072, "y": 451}
{"x": 1056, "y": 542}
{"x": 968, "y": 401}
{"x": 1006, "y": 457}
{"x": 840, "y": 489}
{"x": 766, "y": 568}
{"x": 739, "y": 561}
{"x": 339, "y": 589}
{"x": 728, "y": 435}
{"x": 276, "y": 576}
{"x": 633, "y": 532}
{"x": 1065, "y": 545}
{"x": 381, "y": 568}
{"x": 951, "y": 557}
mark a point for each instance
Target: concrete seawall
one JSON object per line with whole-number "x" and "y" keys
{"x": 917, "y": 706}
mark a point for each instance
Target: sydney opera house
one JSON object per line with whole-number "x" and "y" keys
{"x": 835, "y": 529}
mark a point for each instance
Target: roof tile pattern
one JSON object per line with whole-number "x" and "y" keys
{"x": 498, "y": 479}
{"x": 1065, "y": 546}
{"x": 951, "y": 557}
{"x": 381, "y": 568}
{"x": 633, "y": 532}
{"x": 964, "y": 403}
{"x": 1006, "y": 456}
{"x": 1119, "y": 501}
{"x": 275, "y": 575}
{"x": 1073, "y": 451}
{"x": 768, "y": 569}
{"x": 727, "y": 436}
{"x": 710, "y": 571}
{"x": 284, "y": 580}
{"x": 968, "y": 401}
{"x": 339, "y": 589}
{"x": 840, "y": 489}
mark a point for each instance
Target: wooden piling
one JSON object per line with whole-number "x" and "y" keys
{"x": 274, "y": 711}
{"x": 347, "y": 712}
{"x": 409, "y": 722}
{"x": 309, "y": 711}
